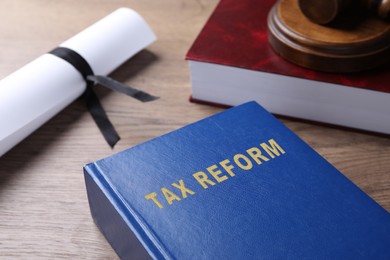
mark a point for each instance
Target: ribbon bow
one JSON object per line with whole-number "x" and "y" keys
{"x": 93, "y": 104}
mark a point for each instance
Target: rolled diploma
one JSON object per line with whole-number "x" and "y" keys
{"x": 36, "y": 92}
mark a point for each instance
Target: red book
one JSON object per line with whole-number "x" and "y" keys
{"x": 231, "y": 62}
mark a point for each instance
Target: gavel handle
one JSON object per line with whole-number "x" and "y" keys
{"x": 380, "y": 7}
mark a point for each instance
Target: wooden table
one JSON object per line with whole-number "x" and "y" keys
{"x": 43, "y": 205}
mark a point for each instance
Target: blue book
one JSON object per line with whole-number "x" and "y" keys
{"x": 236, "y": 185}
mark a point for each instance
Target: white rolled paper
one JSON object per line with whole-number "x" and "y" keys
{"x": 39, "y": 90}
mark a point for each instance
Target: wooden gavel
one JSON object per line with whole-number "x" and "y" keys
{"x": 325, "y": 11}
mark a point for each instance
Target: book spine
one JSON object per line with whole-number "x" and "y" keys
{"x": 133, "y": 221}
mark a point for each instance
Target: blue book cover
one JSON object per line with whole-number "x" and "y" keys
{"x": 236, "y": 185}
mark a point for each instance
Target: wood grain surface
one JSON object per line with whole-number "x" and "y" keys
{"x": 44, "y": 211}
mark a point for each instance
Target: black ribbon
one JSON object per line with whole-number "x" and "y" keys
{"x": 93, "y": 104}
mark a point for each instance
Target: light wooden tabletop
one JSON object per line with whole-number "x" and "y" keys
{"x": 43, "y": 205}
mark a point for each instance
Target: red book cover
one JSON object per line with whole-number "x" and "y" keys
{"x": 236, "y": 35}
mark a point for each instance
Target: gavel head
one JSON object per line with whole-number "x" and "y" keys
{"x": 326, "y": 11}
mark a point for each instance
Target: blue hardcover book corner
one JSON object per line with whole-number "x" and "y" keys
{"x": 236, "y": 185}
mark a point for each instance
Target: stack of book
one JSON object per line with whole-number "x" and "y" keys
{"x": 240, "y": 184}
